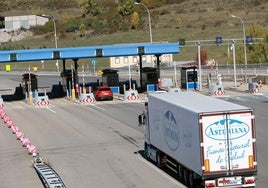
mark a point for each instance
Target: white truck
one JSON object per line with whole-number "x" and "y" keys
{"x": 209, "y": 142}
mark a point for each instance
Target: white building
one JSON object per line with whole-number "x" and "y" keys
{"x": 17, "y": 22}
{"x": 118, "y": 62}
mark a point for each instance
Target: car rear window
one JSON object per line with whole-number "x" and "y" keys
{"x": 104, "y": 89}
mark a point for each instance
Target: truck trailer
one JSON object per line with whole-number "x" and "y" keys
{"x": 209, "y": 142}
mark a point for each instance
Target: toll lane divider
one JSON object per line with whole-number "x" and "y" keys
{"x": 48, "y": 175}
{"x": 131, "y": 96}
{"x": 41, "y": 101}
{"x": 17, "y": 132}
{"x": 87, "y": 98}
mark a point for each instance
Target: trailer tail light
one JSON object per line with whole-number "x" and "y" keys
{"x": 249, "y": 180}
{"x": 250, "y": 161}
{"x": 210, "y": 183}
{"x": 207, "y": 166}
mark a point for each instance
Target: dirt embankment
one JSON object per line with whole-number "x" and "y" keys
{"x": 13, "y": 35}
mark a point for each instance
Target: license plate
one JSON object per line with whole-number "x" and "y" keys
{"x": 230, "y": 181}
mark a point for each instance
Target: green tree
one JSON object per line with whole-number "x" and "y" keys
{"x": 135, "y": 20}
{"x": 89, "y": 6}
{"x": 126, "y": 7}
{"x": 203, "y": 56}
{"x": 258, "y": 50}
{"x": 178, "y": 22}
{"x": 82, "y": 30}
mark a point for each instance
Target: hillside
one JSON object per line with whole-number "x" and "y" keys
{"x": 200, "y": 20}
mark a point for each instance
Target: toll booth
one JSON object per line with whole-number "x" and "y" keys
{"x": 149, "y": 76}
{"x": 29, "y": 82}
{"x": 110, "y": 77}
{"x": 69, "y": 77}
{"x": 189, "y": 77}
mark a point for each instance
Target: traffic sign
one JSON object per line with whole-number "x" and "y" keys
{"x": 94, "y": 62}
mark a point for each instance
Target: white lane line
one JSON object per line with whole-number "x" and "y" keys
{"x": 51, "y": 110}
{"x": 98, "y": 107}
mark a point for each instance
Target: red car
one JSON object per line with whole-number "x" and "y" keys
{"x": 103, "y": 93}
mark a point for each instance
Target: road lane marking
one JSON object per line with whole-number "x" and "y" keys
{"x": 51, "y": 110}
{"x": 98, "y": 107}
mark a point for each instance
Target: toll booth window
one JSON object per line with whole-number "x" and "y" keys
{"x": 125, "y": 59}
{"x": 191, "y": 76}
{"x": 117, "y": 60}
{"x": 152, "y": 78}
{"x": 135, "y": 59}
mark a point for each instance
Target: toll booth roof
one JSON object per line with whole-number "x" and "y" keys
{"x": 109, "y": 71}
{"x": 189, "y": 66}
{"x": 26, "y": 75}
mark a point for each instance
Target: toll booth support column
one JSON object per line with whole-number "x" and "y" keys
{"x": 76, "y": 81}
{"x": 140, "y": 58}
{"x": 75, "y": 68}
{"x": 158, "y": 66}
{"x": 75, "y": 64}
{"x": 64, "y": 65}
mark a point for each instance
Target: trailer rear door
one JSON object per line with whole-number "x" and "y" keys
{"x": 228, "y": 142}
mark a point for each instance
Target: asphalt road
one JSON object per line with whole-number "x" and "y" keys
{"x": 87, "y": 147}
{"x": 96, "y": 146}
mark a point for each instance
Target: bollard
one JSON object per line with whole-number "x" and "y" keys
{"x": 1, "y": 102}
{"x": 25, "y": 142}
{"x": 241, "y": 80}
{"x": 32, "y": 149}
{"x": 73, "y": 94}
{"x": 260, "y": 83}
{"x": 67, "y": 94}
{"x": 19, "y": 135}
{"x": 14, "y": 129}
{"x": 31, "y": 96}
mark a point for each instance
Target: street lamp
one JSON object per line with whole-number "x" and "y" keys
{"x": 244, "y": 37}
{"x": 199, "y": 65}
{"x": 149, "y": 17}
{"x": 55, "y": 34}
{"x": 234, "y": 62}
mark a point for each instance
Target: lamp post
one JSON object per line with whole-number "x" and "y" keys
{"x": 234, "y": 62}
{"x": 55, "y": 34}
{"x": 199, "y": 65}
{"x": 244, "y": 36}
{"x": 149, "y": 17}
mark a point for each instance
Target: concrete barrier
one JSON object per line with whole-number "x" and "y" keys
{"x": 87, "y": 98}
{"x": 131, "y": 95}
{"x": 217, "y": 90}
{"x": 41, "y": 101}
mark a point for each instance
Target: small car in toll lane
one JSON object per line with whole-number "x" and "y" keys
{"x": 103, "y": 93}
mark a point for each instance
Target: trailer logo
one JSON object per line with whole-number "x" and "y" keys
{"x": 171, "y": 130}
{"x": 219, "y": 129}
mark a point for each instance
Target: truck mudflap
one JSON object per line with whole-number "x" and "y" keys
{"x": 234, "y": 181}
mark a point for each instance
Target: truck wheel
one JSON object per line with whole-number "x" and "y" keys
{"x": 186, "y": 177}
{"x": 158, "y": 160}
{"x": 180, "y": 171}
{"x": 191, "y": 180}
{"x": 146, "y": 151}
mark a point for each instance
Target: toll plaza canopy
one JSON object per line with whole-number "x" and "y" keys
{"x": 156, "y": 49}
{"x": 76, "y": 53}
